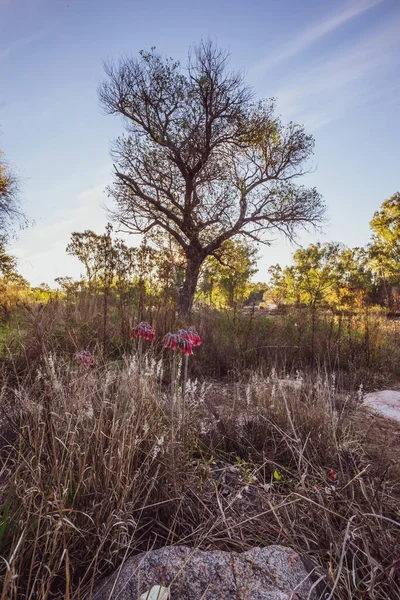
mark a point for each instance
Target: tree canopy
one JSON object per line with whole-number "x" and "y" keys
{"x": 10, "y": 209}
{"x": 385, "y": 244}
{"x": 10, "y": 215}
{"x": 226, "y": 279}
{"x": 323, "y": 274}
{"x": 201, "y": 159}
{"x": 8, "y": 264}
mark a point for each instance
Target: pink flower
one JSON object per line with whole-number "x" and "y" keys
{"x": 192, "y": 331}
{"x": 186, "y": 346}
{"x": 185, "y": 340}
{"x": 183, "y": 334}
{"x": 86, "y": 358}
{"x": 143, "y": 330}
{"x": 171, "y": 340}
{"x": 332, "y": 475}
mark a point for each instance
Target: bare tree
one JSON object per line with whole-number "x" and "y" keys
{"x": 201, "y": 160}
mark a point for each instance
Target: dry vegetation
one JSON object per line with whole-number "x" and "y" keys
{"x": 359, "y": 348}
{"x": 92, "y": 470}
{"x": 270, "y": 443}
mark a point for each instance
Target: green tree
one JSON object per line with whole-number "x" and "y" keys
{"x": 107, "y": 263}
{"x": 355, "y": 282}
{"x": 10, "y": 208}
{"x": 319, "y": 273}
{"x": 8, "y": 264}
{"x": 255, "y": 294}
{"x": 169, "y": 263}
{"x": 105, "y": 260}
{"x": 86, "y": 247}
{"x": 384, "y": 249}
{"x": 12, "y": 285}
{"x": 226, "y": 277}
{"x": 10, "y": 215}
{"x": 322, "y": 275}
{"x": 283, "y": 287}
{"x": 201, "y": 160}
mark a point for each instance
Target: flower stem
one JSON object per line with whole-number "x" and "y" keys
{"x": 184, "y": 384}
{"x": 185, "y": 376}
{"x": 172, "y": 400}
{"x": 173, "y": 377}
{"x": 140, "y": 349}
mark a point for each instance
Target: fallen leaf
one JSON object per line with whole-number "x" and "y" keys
{"x": 277, "y": 475}
{"x": 157, "y": 592}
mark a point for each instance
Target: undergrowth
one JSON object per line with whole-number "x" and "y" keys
{"x": 92, "y": 471}
{"x": 358, "y": 348}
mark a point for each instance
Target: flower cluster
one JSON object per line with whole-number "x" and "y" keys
{"x": 172, "y": 340}
{"x": 194, "y": 336}
{"x": 186, "y": 344}
{"x": 185, "y": 340}
{"x": 332, "y": 475}
{"x": 85, "y": 358}
{"x": 145, "y": 331}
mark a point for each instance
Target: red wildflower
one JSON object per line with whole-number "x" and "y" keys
{"x": 186, "y": 346}
{"x": 184, "y": 339}
{"x": 186, "y": 342}
{"x": 84, "y": 357}
{"x": 192, "y": 331}
{"x": 332, "y": 475}
{"x": 171, "y": 340}
{"x": 143, "y": 330}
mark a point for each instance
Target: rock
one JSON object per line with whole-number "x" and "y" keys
{"x": 271, "y": 573}
{"x": 386, "y": 402}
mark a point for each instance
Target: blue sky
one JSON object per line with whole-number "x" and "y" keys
{"x": 333, "y": 66}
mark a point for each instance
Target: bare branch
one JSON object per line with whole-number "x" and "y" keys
{"x": 201, "y": 160}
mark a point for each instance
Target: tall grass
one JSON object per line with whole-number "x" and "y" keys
{"x": 359, "y": 348}
{"x": 86, "y": 477}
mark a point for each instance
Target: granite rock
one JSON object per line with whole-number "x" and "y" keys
{"x": 270, "y": 573}
{"x": 386, "y": 402}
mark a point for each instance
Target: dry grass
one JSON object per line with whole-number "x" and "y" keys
{"x": 91, "y": 470}
{"x": 358, "y": 348}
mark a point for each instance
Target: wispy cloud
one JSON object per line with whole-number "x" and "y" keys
{"x": 40, "y": 250}
{"x": 346, "y": 79}
{"x": 316, "y": 32}
{"x": 22, "y": 4}
{"x": 19, "y": 44}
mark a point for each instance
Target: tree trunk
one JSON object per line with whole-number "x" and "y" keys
{"x": 192, "y": 273}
